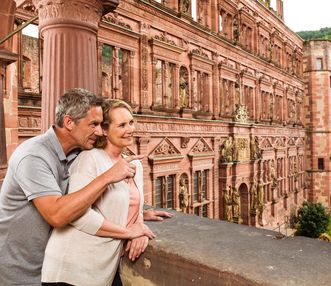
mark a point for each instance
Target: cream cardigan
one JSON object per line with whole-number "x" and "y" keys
{"x": 74, "y": 254}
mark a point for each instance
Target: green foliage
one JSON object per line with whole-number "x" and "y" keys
{"x": 328, "y": 231}
{"x": 324, "y": 34}
{"x": 313, "y": 219}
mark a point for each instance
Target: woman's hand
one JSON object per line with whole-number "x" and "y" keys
{"x": 136, "y": 247}
{"x": 139, "y": 229}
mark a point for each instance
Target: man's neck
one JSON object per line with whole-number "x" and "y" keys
{"x": 65, "y": 140}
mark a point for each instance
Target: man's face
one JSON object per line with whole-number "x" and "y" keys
{"x": 87, "y": 129}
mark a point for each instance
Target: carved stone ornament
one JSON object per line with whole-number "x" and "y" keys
{"x": 83, "y": 11}
{"x": 165, "y": 149}
{"x": 114, "y": 19}
{"x": 200, "y": 53}
{"x": 184, "y": 141}
{"x": 241, "y": 114}
{"x": 163, "y": 38}
{"x": 128, "y": 152}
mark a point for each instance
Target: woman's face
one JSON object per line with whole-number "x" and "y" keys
{"x": 121, "y": 128}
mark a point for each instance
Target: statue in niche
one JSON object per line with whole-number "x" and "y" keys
{"x": 228, "y": 204}
{"x": 260, "y": 194}
{"x": 267, "y": 3}
{"x": 274, "y": 181}
{"x": 253, "y": 196}
{"x": 235, "y": 28}
{"x": 226, "y": 97}
{"x": 236, "y": 149}
{"x": 194, "y": 92}
{"x": 227, "y": 150}
{"x": 164, "y": 190}
{"x": 185, "y": 6}
{"x": 236, "y": 202}
{"x": 183, "y": 88}
{"x": 255, "y": 149}
{"x": 183, "y": 195}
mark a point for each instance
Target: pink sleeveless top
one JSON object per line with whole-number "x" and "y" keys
{"x": 134, "y": 202}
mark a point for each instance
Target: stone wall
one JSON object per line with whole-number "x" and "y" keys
{"x": 197, "y": 251}
{"x": 317, "y": 70}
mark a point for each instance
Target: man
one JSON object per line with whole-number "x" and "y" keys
{"x": 33, "y": 195}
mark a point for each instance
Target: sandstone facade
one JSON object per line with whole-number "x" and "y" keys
{"x": 218, "y": 92}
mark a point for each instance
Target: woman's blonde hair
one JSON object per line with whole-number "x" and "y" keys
{"x": 109, "y": 105}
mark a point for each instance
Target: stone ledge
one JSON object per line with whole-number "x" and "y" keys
{"x": 190, "y": 250}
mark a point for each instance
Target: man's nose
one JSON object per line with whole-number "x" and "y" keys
{"x": 98, "y": 130}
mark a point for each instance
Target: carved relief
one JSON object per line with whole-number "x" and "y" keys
{"x": 144, "y": 56}
{"x": 164, "y": 38}
{"x": 255, "y": 149}
{"x": 241, "y": 114}
{"x": 227, "y": 149}
{"x": 201, "y": 147}
{"x": 266, "y": 144}
{"x": 241, "y": 149}
{"x": 56, "y": 10}
{"x": 253, "y": 196}
{"x": 165, "y": 148}
{"x": 114, "y": 19}
{"x": 228, "y": 204}
{"x": 200, "y": 53}
{"x": 236, "y": 203}
{"x": 184, "y": 141}
{"x": 185, "y": 6}
{"x": 184, "y": 195}
{"x": 128, "y": 152}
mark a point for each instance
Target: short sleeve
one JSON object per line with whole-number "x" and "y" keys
{"x": 36, "y": 178}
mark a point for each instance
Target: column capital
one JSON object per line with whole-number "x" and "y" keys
{"x": 82, "y": 12}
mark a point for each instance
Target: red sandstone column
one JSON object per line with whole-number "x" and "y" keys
{"x": 7, "y": 12}
{"x": 69, "y": 29}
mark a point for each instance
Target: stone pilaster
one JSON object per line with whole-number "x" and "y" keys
{"x": 7, "y": 11}
{"x": 69, "y": 29}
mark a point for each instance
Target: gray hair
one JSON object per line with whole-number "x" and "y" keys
{"x": 75, "y": 102}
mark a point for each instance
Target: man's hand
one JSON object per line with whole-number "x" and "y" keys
{"x": 154, "y": 215}
{"x": 123, "y": 169}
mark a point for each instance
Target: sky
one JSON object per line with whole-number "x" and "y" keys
{"x": 307, "y": 15}
{"x": 299, "y": 15}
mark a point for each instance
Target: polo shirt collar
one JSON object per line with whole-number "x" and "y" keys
{"x": 50, "y": 133}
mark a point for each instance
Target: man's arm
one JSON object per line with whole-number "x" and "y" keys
{"x": 58, "y": 211}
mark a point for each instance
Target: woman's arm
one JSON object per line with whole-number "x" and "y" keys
{"x": 136, "y": 230}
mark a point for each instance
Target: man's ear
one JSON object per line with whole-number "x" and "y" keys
{"x": 68, "y": 122}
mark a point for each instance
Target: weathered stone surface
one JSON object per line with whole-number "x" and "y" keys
{"x": 196, "y": 251}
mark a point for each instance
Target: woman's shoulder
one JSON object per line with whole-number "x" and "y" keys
{"x": 89, "y": 156}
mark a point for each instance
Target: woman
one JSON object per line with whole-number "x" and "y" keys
{"x": 88, "y": 251}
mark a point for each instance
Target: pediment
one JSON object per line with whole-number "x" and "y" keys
{"x": 128, "y": 152}
{"x": 291, "y": 142}
{"x": 165, "y": 149}
{"x": 201, "y": 147}
{"x": 279, "y": 143}
{"x": 266, "y": 143}
{"x": 300, "y": 142}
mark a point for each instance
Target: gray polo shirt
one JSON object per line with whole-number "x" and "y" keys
{"x": 37, "y": 168}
